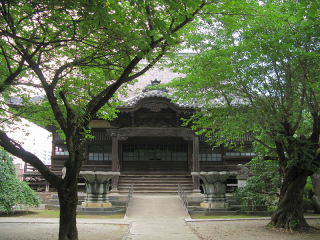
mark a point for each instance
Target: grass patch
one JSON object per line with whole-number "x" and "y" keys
{"x": 196, "y": 216}
{"x": 54, "y": 214}
{"x": 32, "y": 214}
{"x": 226, "y": 217}
{"x": 115, "y": 216}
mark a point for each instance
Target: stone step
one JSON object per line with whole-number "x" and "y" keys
{"x": 153, "y": 180}
{"x": 154, "y": 183}
{"x": 154, "y": 177}
{"x": 154, "y": 188}
{"x": 174, "y": 192}
{"x": 151, "y": 185}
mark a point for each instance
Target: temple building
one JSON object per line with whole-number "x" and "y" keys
{"x": 148, "y": 139}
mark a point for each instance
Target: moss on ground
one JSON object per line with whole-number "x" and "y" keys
{"x": 54, "y": 214}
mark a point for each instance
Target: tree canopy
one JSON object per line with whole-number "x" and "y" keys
{"x": 258, "y": 73}
{"x": 75, "y": 52}
{"x": 77, "y": 56}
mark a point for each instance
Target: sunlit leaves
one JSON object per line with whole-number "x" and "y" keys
{"x": 74, "y": 52}
{"x": 258, "y": 71}
{"x": 260, "y": 190}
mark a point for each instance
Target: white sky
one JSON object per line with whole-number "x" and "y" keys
{"x": 33, "y": 139}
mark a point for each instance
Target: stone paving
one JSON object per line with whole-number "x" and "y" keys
{"x": 153, "y": 217}
{"x": 156, "y": 217}
{"x": 159, "y": 218}
{"x": 21, "y": 228}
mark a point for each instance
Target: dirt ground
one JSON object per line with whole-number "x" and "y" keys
{"x": 205, "y": 230}
{"x": 249, "y": 230}
{"x": 45, "y": 231}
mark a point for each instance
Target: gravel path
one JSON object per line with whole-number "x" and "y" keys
{"x": 205, "y": 230}
{"x": 45, "y": 231}
{"x": 249, "y": 230}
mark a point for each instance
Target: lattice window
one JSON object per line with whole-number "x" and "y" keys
{"x": 246, "y": 151}
{"x": 99, "y": 153}
{"x": 209, "y": 153}
{"x": 61, "y": 150}
{"x": 161, "y": 152}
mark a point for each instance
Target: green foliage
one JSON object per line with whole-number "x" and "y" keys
{"x": 78, "y": 55}
{"x": 308, "y": 205}
{"x": 308, "y": 189}
{"x": 257, "y": 72}
{"x": 13, "y": 192}
{"x": 260, "y": 190}
{"x": 263, "y": 188}
{"x": 81, "y": 55}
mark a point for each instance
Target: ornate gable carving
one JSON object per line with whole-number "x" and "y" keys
{"x": 124, "y": 133}
{"x": 155, "y": 106}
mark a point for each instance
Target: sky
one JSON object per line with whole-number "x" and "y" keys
{"x": 33, "y": 139}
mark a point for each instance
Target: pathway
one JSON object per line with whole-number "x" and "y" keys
{"x": 158, "y": 217}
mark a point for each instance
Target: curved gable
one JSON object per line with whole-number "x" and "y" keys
{"x": 152, "y": 108}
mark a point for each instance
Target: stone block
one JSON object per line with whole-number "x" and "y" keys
{"x": 96, "y": 205}
{"x": 242, "y": 183}
{"x": 219, "y": 205}
{"x": 205, "y": 205}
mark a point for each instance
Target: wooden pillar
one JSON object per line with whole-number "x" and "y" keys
{"x": 132, "y": 119}
{"x": 115, "y": 163}
{"x": 196, "y": 167}
{"x": 190, "y": 154}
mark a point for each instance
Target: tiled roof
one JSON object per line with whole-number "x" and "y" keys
{"x": 131, "y": 102}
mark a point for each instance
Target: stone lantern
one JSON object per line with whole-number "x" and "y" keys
{"x": 214, "y": 186}
{"x": 97, "y": 186}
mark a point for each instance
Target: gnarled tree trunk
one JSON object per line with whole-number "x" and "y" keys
{"x": 68, "y": 198}
{"x": 68, "y": 191}
{"x": 289, "y": 213}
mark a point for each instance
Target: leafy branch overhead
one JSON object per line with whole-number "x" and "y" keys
{"x": 76, "y": 58}
{"x": 258, "y": 74}
{"x": 92, "y": 53}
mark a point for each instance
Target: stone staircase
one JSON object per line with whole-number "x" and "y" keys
{"x": 166, "y": 184}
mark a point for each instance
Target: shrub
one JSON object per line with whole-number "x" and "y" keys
{"x": 13, "y": 191}
{"x": 262, "y": 189}
{"x": 308, "y": 189}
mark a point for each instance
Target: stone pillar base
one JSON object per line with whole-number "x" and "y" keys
{"x": 242, "y": 183}
{"x": 215, "y": 205}
{"x": 220, "y": 205}
{"x": 205, "y": 205}
{"x": 97, "y": 205}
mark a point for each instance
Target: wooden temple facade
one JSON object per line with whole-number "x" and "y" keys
{"x": 147, "y": 138}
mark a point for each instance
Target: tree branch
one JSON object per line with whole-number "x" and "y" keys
{"x": 264, "y": 144}
{"x": 17, "y": 150}
{"x": 10, "y": 79}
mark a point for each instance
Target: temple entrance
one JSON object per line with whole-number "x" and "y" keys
{"x": 154, "y": 157}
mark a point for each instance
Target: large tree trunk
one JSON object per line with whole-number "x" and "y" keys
{"x": 68, "y": 194}
{"x": 289, "y": 213}
{"x": 68, "y": 198}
